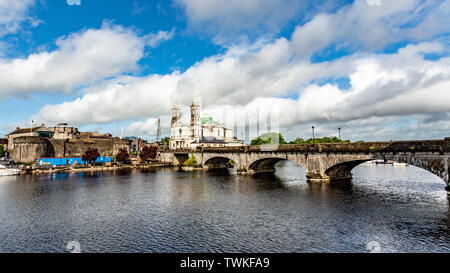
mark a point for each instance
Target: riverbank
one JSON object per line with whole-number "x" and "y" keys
{"x": 100, "y": 168}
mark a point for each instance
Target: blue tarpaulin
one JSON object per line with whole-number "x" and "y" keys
{"x": 59, "y": 161}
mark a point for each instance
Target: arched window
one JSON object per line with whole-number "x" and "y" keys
{"x": 180, "y": 132}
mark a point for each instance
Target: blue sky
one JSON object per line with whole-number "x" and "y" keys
{"x": 376, "y": 68}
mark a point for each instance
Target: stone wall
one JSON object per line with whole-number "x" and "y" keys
{"x": 29, "y": 149}
{"x": 74, "y": 148}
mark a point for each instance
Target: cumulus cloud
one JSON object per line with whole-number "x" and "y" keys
{"x": 13, "y": 13}
{"x": 139, "y": 128}
{"x": 119, "y": 99}
{"x": 380, "y": 85}
{"x": 81, "y": 58}
{"x": 266, "y": 72}
{"x": 74, "y": 2}
{"x": 372, "y": 26}
{"x": 228, "y": 19}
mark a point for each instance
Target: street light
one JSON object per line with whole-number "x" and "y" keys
{"x": 313, "y": 133}
{"x": 339, "y": 129}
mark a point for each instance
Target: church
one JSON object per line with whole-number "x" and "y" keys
{"x": 201, "y": 132}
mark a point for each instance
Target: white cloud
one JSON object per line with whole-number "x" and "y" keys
{"x": 81, "y": 58}
{"x": 120, "y": 99}
{"x": 380, "y": 85}
{"x": 373, "y": 2}
{"x": 74, "y": 2}
{"x": 238, "y": 76}
{"x": 13, "y": 13}
{"x": 226, "y": 20}
{"x": 154, "y": 39}
{"x": 139, "y": 128}
{"x": 372, "y": 26}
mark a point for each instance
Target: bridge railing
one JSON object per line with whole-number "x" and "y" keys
{"x": 433, "y": 146}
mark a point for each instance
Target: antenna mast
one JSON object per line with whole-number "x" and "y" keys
{"x": 158, "y": 131}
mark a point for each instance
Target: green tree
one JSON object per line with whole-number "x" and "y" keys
{"x": 2, "y": 151}
{"x": 165, "y": 140}
{"x": 268, "y": 138}
{"x": 318, "y": 140}
{"x": 298, "y": 140}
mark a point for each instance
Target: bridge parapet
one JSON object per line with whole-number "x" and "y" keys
{"x": 433, "y": 146}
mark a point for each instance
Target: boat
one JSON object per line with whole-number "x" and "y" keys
{"x": 379, "y": 161}
{"x": 399, "y": 164}
{"x": 5, "y": 171}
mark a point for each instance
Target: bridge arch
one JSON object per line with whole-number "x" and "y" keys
{"x": 267, "y": 164}
{"x": 435, "y": 164}
{"x": 217, "y": 162}
{"x": 343, "y": 170}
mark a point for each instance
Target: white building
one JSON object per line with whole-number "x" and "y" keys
{"x": 200, "y": 132}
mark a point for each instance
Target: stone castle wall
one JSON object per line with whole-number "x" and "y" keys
{"x": 29, "y": 149}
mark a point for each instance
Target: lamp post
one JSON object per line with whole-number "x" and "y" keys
{"x": 313, "y": 133}
{"x": 339, "y": 129}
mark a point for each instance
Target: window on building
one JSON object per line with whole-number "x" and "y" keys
{"x": 180, "y": 132}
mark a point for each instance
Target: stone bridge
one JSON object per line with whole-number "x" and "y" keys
{"x": 322, "y": 162}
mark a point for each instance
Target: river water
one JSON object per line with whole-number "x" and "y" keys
{"x": 385, "y": 208}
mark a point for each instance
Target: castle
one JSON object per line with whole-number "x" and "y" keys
{"x": 201, "y": 132}
{"x": 29, "y": 144}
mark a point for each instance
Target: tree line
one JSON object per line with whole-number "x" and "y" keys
{"x": 277, "y": 138}
{"x": 148, "y": 153}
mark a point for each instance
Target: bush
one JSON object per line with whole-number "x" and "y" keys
{"x": 123, "y": 156}
{"x": 2, "y": 151}
{"x": 90, "y": 155}
{"x": 191, "y": 161}
{"x": 148, "y": 152}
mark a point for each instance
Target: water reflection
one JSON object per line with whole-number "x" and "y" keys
{"x": 165, "y": 210}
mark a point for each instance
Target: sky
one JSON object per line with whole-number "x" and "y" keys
{"x": 377, "y": 69}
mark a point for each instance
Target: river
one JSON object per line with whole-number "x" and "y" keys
{"x": 385, "y": 208}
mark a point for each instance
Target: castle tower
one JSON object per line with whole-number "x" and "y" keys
{"x": 176, "y": 114}
{"x": 196, "y": 124}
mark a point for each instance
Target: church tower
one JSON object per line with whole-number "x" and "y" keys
{"x": 196, "y": 125}
{"x": 176, "y": 114}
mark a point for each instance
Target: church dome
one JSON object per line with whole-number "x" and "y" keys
{"x": 206, "y": 118}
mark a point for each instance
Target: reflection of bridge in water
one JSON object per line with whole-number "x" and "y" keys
{"x": 322, "y": 162}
